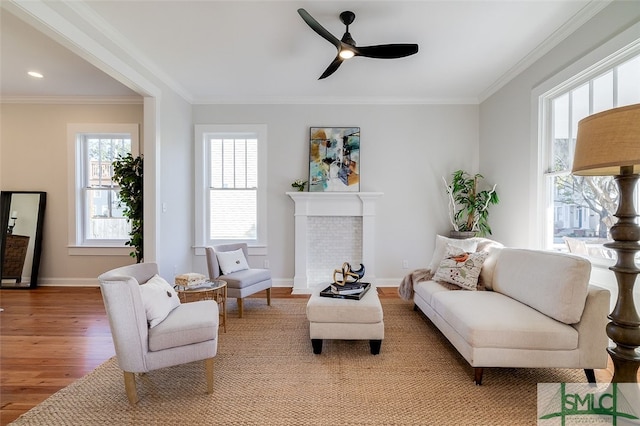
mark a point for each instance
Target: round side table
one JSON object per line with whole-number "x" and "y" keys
{"x": 210, "y": 290}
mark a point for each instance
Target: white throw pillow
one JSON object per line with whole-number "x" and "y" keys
{"x": 468, "y": 245}
{"x": 461, "y": 268}
{"x": 232, "y": 261}
{"x": 159, "y": 299}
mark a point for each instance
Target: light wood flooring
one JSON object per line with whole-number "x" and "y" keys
{"x": 52, "y": 336}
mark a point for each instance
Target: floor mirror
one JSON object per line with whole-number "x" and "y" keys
{"x": 22, "y": 215}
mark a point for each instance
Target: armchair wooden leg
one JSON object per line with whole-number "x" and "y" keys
{"x": 240, "y": 307}
{"x": 269, "y": 296}
{"x": 130, "y": 387}
{"x": 208, "y": 363}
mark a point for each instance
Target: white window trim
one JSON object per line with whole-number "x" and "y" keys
{"x": 74, "y": 178}
{"x": 259, "y": 246}
{"x": 612, "y": 53}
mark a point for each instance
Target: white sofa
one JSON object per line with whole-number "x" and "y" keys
{"x": 538, "y": 310}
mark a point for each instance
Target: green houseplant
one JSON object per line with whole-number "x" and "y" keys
{"x": 468, "y": 205}
{"x": 127, "y": 173}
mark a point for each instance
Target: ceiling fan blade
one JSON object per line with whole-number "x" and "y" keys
{"x": 332, "y": 67}
{"x": 315, "y": 26}
{"x": 387, "y": 51}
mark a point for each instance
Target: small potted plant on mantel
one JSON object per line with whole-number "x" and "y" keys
{"x": 468, "y": 206}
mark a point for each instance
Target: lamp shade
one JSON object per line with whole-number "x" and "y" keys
{"x": 607, "y": 141}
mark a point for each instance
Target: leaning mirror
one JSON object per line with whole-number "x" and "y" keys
{"x": 22, "y": 214}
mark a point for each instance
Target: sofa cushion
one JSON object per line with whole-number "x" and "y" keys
{"x": 232, "y": 261}
{"x": 460, "y": 267}
{"x": 159, "y": 299}
{"x": 553, "y": 283}
{"x": 426, "y": 289}
{"x": 441, "y": 248}
{"x": 190, "y": 323}
{"x": 246, "y": 277}
{"x": 486, "y": 319}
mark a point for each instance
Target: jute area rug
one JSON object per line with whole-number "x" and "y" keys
{"x": 267, "y": 374}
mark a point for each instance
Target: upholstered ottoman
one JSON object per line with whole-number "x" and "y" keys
{"x": 345, "y": 319}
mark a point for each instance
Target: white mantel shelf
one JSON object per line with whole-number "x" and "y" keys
{"x": 332, "y": 204}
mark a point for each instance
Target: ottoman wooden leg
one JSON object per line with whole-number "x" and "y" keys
{"x": 317, "y": 346}
{"x": 375, "y": 346}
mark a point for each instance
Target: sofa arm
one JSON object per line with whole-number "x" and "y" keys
{"x": 592, "y": 336}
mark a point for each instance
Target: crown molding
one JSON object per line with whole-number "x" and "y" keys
{"x": 73, "y": 100}
{"x": 326, "y": 100}
{"x": 569, "y": 27}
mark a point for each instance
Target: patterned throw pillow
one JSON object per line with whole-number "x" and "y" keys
{"x": 460, "y": 267}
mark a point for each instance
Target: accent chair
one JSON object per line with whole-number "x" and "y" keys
{"x": 241, "y": 283}
{"x": 188, "y": 333}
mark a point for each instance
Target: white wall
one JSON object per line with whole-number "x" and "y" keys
{"x": 405, "y": 150}
{"x": 508, "y": 143}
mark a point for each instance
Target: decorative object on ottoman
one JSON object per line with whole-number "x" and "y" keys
{"x": 347, "y": 274}
{"x": 343, "y": 319}
{"x": 190, "y": 279}
{"x": 353, "y": 291}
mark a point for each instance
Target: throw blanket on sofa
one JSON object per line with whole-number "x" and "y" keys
{"x": 405, "y": 289}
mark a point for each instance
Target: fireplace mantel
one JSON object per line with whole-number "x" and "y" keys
{"x": 335, "y": 204}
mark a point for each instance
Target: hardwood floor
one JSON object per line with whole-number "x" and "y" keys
{"x": 52, "y": 336}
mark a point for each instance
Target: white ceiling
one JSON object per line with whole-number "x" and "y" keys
{"x": 262, "y": 51}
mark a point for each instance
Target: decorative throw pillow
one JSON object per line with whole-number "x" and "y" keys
{"x": 460, "y": 267}
{"x": 468, "y": 245}
{"x": 232, "y": 261}
{"x": 159, "y": 299}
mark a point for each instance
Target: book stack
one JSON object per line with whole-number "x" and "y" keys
{"x": 348, "y": 291}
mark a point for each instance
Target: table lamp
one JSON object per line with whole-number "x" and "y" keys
{"x": 608, "y": 144}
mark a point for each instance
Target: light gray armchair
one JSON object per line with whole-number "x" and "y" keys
{"x": 189, "y": 333}
{"x": 242, "y": 283}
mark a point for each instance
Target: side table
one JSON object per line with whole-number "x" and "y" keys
{"x": 210, "y": 290}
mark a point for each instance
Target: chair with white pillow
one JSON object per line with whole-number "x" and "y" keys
{"x": 151, "y": 329}
{"x": 228, "y": 262}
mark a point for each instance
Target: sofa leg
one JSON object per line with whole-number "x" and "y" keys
{"x": 374, "y": 345}
{"x": 130, "y": 387}
{"x": 240, "y": 307}
{"x": 415, "y": 307}
{"x": 591, "y": 375}
{"x": 316, "y": 344}
{"x": 477, "y": 375}
{"x": 208, "y": 364}
{"x": 269, "y": 297}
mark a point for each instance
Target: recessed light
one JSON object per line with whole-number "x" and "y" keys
{"x": 35, "y": 74}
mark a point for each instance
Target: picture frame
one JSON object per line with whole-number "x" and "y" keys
{"x": 334, "y": 159}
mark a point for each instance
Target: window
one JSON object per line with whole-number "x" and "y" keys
{"x": 98, "y": 220}
{"x": 231, "y": 190}
{"x": 583, "y": 207}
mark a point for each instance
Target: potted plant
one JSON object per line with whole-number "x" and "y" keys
{"x": 469, "y": 206}
{"x": 127, "y": 173}
{"x": 299, "y": 184}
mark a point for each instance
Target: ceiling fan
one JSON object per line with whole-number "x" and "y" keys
{"x": 347, "y": 46}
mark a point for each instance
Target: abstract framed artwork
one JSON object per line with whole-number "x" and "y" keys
{"x": 334, "y": 159}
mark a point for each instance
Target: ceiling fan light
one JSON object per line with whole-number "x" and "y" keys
{"x": 346, "y": 54}
{"x": 35, "y": 74}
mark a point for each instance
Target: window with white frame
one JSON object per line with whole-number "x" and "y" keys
{"x": 231, "y": 189}
{"x": 580, "y": 209}
{"x": 97, "y": 219}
